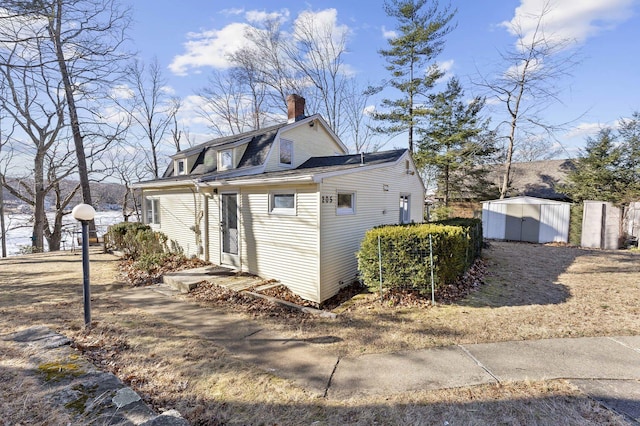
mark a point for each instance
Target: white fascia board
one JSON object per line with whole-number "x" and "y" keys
{"x": 168, "y": 184}
{"x": 259, "y": 181}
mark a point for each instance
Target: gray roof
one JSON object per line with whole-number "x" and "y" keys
{"x": 318, "y": 165}
{"x": 230, "y": 140}
{"x": 352, "y": 160}
{"x": 535, "y": 178}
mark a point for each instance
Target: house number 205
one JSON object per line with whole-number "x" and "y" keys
{"x": 327, "y": 199}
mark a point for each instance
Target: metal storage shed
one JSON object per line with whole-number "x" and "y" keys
{"x": 535, "y": 220}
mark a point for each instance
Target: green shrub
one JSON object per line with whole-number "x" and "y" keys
{"x": 405, "y": 254}
{"x": 135, "y": 240}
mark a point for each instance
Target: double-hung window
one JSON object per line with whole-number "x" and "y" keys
{"x": 153, "y": 211}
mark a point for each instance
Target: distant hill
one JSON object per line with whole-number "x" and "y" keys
{"x": 106, "y": 196}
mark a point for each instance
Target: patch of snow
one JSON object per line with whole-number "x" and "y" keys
{"x": 20, "y": 228}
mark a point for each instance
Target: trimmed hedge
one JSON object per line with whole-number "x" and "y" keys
{"x": 405, "y": 254}
{"x": 473, "y": 229}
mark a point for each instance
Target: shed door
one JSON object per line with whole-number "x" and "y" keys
{"x": 523, "y": 222}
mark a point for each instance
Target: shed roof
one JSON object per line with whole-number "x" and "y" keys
{"x": 523, "y": 199}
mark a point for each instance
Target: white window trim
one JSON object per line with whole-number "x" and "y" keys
{"x": 221, "y": 166}
{"x": 154, "y": 213}
{"x": 343, "y": 211}
{"x": 280, "y": 156}
{"x": 283, "y": 211}
{"x": 184, "y": 167}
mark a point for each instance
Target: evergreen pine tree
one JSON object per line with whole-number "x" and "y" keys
{"x": 455, "y": 141}
{"x": 597, "y": 174}
{"x": 421, "y": 29}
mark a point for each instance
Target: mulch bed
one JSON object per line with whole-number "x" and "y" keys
{"x": 216, "y": 295}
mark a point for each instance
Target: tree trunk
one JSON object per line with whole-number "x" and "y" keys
{"x": 55, "y": 237}
{"x": 3, "y": 233}
{"x": 37, "y": 239}
{"x": 55, "y": 29}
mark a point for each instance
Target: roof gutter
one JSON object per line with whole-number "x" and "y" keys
{"x": 169, "y": 184}
{"x": 262, "y": 181}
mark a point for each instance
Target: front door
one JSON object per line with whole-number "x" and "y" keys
{"x": 229, "y": 230}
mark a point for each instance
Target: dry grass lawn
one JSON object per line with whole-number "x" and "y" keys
{"x": 531, "y": 292}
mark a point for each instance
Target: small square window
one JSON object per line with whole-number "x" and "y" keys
{"x": 286, "y": 152}
{"x": 283, "y": 203}
{"x": 346, "y": 203}
{"x": 226, "y": 159}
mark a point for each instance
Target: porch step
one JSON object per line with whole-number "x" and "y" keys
{"x": 187, "y": 280}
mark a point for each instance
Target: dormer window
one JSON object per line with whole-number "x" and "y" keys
{"x": 181, "y": 166}
{"x": 226, "y": 159}
{"x": 286, "y": 152}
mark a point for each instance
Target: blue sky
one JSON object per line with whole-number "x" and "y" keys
{"x": 190, "y": 37}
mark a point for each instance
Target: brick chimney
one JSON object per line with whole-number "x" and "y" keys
{"x": 295, "y": 108}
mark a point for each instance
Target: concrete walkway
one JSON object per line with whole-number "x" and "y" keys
{"x": 606, "y": 368}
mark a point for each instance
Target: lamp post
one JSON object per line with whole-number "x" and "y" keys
{"x": 85, "y": 214}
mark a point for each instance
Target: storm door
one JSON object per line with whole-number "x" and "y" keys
{"x": 229, "y": 229}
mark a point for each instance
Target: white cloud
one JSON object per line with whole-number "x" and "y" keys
{"x": 323, "y": 23}
{"x": 388, "y": 34}
{"x": 257, "y": 16}
{"x": 568, "y": 20}
{"x": 210, "y": 48}
{"x": 447, "y": 69}
{"x": 369, "y": 110}
{"x": 446, "y": 66}
{"x": 584, "y": 130}
{"x": 168, "y": 90}
{"x": 121, "y": 91}
{"x": 233, "y": 11}
{"x": 189, "y": 114}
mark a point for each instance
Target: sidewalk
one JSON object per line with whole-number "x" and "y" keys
{"x": 606, "y": 368}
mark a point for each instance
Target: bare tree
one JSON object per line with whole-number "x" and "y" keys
{"x": 358, "y": 132}
{"x": 125, "y": 161}
{"x": 35, "y": 105}
{"x": 317, "y": 54}
{"x": 529, "y": 85}
{"x": 151, "y": 107}
{"x": 80, "y": 41}
{"x": 227, "y": 105}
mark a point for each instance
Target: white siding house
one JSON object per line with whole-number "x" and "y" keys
{"x": 288, "y": 203}
{"x": 528, "y": 219}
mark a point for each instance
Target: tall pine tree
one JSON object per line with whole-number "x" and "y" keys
{"x": 455, "y": 141}
{"x": 421, "y": 28}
